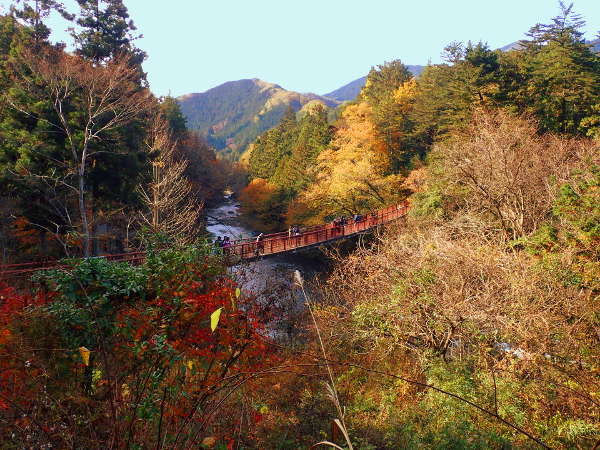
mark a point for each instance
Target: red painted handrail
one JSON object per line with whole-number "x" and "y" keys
{"x": 282, "y": 242}
{"x": 246, "y": 248}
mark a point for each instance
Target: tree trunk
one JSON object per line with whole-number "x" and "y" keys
{"x": 84, "y": 221}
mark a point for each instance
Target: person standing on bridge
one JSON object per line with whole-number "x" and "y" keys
{"x": 297, "y": 234}
{"x": 260, "y": 244}
{"x": 335, "y": 226}
{"x": 226, "y": 245}
{"x": 218, "y": 244}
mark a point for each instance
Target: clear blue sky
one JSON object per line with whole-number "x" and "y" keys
{"x": 317, "y": 45}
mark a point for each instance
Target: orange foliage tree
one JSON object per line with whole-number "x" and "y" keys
{"x": 263, "y": 204}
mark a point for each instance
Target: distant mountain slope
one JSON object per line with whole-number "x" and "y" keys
{"x": 233, "y": 114}
{"x": 349, "y": 91}
{"x": 512, "y": 46}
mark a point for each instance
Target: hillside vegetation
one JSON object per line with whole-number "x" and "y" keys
{"x": 90, "y": 160}
{"x": 475, "y": 300}
{"x": 350, "y": 91}
{"x": 378, "y": 140}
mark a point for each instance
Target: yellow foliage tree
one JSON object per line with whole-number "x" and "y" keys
{"x": 350, "y": 174}
{"x": 405, "y": 96}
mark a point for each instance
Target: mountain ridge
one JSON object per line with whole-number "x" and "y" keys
{"x": 234, "y": 113}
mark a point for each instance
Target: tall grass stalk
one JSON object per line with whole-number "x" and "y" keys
{"x": 331, "y": 389}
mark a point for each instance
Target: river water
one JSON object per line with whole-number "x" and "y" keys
{"x": 270, "y": 279}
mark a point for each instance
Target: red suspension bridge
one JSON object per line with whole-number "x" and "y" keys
{"x": 247, "y": 249}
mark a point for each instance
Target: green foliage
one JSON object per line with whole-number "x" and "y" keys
{"x": 574, "y": 227}
{"x": 285, "y": 157}
{"x": 172, "y": 112}
{"x": 558, "y": 74}
{"x": 578, "y": 208}
{"x": 390, "y": 116}
{"x": 428, "y": 204}
{"x": 270, "y": 148}
{"x": 383, "y": 80}
{"x": 89, "y": 297}
{"x": 105, "y": 31}
{"x": 34, "y": 12}
{"x": 300, "y": 150}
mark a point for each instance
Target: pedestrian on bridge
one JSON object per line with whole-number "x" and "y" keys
{"x": 260, "y": 244}
{"x": 226, "y": 245}
{"x": 218, "y": 243}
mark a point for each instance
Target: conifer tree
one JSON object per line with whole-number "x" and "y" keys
{"x": 34, "y": 12}
{"x": 106, "y": 31}
{"x": 172, "y": 112}
{"x": 563, "y": 74}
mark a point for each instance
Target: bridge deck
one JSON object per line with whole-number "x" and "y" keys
{"x": 284, "y": 242}
{"x": 246, "y": 249}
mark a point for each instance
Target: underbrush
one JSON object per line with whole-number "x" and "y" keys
{"x": 439, "y": 342}
{"x": 111, "y": 355}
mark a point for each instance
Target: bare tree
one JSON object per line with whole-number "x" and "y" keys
{"x": 503, "y": 169}
{"x": 171, "y": 206}
{"x": 89, "y": 101}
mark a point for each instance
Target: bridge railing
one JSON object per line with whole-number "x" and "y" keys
{"x": 283, "y": 242}
{"x": 246, "y": 248}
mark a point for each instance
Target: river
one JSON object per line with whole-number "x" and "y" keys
{"x": 270, "y": 279}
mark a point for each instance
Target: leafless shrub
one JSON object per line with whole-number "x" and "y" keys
{"x": 503, "y": 171}
{"x": 421, "y": 292}
{"x": 432, "y": 290}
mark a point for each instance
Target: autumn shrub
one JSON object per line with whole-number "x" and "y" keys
{"x": 501, "y": 172}
{"x": 128, "y": 357}
{"x": 515, "y": 339}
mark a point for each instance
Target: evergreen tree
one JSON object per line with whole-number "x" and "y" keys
{"x": 311, "y": 137}
{"x": 388, "y": 115}
{"x": 383, "y": 80}
{"x": 562, "y": 75}
{"x": 34, "y": 12}
{"x": 272, "y": 146}
{"x": 106, "y": 31}
{"x": 172, "y": 111}
{"x": 27, "y": 145}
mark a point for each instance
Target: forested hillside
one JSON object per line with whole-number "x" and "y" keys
{"x": 382, "y": 137}
{"x": 233, "y": 114}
